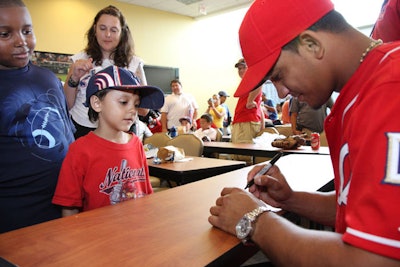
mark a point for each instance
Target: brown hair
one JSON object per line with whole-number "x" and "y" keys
{"x": 175, "y": 81}
{"x": 10, "y": 3}
{"x": 124, "y": 52}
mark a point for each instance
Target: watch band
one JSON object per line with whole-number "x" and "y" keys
{"x": 252, "y": 215}
{"x": 244, "y": 228}
{"x": 72, "y": 83}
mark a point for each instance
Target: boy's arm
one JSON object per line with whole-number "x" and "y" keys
{"x": 68, "y": 211}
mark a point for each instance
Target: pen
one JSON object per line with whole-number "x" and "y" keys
{"x": 265, "y": 169}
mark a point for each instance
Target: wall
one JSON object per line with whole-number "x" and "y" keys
{"x": 205, "y": 50}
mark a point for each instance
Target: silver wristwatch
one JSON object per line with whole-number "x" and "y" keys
{"x": 244, "y": 228}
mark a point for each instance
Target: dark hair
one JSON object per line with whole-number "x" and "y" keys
{"x": 124, "y": 52}
{"x": 11, "y": 3}
{"x": 207, "y": 117}
{"x": 94, "y": 115}
{"x": 331, "y": 22}
{"x": 175, "y": 81}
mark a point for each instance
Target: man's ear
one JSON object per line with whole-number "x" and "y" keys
{"x": 310, "y": 42}
{"x": 95, "y": 103}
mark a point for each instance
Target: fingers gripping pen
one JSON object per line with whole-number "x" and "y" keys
{"x": 265, "y": 169}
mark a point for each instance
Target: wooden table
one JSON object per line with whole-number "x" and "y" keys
{"x": 256, "y": 150}
{"x": 169, "y": 228}
{"x": 196, "y": 169}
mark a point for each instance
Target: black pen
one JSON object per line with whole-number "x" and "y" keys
{"x": 265, "y": 168}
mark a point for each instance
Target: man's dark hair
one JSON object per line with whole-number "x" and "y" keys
{"x": 331, "y": 22}
{"x": 175, "y": 81}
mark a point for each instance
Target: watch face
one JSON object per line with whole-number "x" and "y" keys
{"x": 243, "y": 228}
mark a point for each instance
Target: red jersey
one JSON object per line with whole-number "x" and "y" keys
{"x": 97, "y": 173}
{"x": 365, "y": 153}
{"x": 243, "y": 114}
{"x": 387, "y": 27}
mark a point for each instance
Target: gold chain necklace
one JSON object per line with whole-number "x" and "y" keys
{"x": 372, "y": 45}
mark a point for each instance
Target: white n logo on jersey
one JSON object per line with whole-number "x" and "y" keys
{"x": 343, "y": 188}
{"x": 392, "y": 165}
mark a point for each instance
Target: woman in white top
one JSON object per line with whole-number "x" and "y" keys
{"x": 109, "y": 42}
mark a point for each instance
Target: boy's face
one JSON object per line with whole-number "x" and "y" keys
{"x": 204, "y": 124}
{"x": 17, "y": 40}
{"x": 117, "y": 110}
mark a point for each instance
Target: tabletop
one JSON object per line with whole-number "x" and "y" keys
{"x": 169, "y": 228}
{"x": 192, "y": 169}
{"x": 257, "y": 150}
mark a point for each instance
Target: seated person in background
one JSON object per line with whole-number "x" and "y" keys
{"x": 387, "y": 26}
{"x": 285, "y": 111}
{"x": 206, "y": 132}
{"x": 186, "y": 122}
{"x": 108, "y": 165}
{"x": 216, "y": 111}
{"x": 151, "y": 118}
{"x": 306, "y": 119}
{"x": 269, "y": 109}
{"x": 141, "y": 130}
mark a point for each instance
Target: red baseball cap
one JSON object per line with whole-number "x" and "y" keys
{"x": 267, "y": 27}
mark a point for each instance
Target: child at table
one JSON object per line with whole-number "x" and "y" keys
{"x": 108, "y": 165}
{"x": 206, "y": 132}
{"x": 35, "y": 129}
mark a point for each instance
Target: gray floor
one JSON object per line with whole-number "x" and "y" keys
{"x": 259, "y": 259}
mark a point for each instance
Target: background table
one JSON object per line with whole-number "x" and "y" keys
{"x": 169, "y": 228}
{"x": 256, "y": 150}
{"x": 196, "y": 169}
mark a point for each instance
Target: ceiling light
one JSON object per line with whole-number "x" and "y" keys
{"x": 188, "y": 2}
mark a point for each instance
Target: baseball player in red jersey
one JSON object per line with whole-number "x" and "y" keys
{"x": 387, "y": 26}
{"x": 308, "y": 50}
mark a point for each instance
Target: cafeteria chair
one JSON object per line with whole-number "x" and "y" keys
{"x": 285, "y": 129}
{"x": 191, "y": 144}
{"x": 219, "y": 135}
{"x": 157, "y": 139}
{"x": 217, "y": 155}
{"x": 271, "y": 130}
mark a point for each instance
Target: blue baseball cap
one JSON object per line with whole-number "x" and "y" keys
{"x": 117, "y": 78}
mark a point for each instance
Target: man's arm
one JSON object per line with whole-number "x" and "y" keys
{"x": 293, "y": 121}
{"x": 286, "y": 244}
{"x": 194, "y": 123}
{"x": 251, "y": 98}
{"x": 164, "y": 121}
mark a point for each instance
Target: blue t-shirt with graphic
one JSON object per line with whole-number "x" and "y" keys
{"x": 35, "y": 133}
